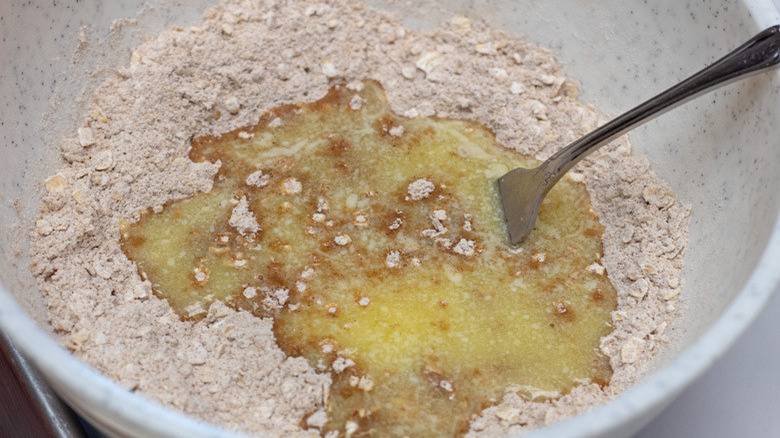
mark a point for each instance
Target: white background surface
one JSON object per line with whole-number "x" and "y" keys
{"x": 740, "y": 395}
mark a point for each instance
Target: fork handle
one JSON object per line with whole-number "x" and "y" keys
{"x": 756, "y": 55}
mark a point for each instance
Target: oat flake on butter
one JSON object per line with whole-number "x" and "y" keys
{"x": 221, "y": 74}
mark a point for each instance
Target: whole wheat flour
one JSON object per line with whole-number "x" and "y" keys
{"x": 244, "y": 58}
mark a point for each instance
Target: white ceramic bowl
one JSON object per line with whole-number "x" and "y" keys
{"x": 720, "y": 153}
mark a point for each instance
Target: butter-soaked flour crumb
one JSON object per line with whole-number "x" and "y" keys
{"x": 420, "y": 189}
{"x": 243, "y": 220}
{"x": 130, "y": 153}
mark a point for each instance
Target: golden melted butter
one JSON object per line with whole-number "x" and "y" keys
{"x": 377, "y": 243}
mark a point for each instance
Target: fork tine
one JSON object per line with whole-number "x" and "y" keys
{"x": 521, "y": 195}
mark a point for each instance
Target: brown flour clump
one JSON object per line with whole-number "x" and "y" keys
{"x": 130, "y": 153}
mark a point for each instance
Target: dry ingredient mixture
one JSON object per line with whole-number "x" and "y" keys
{"x": 131, "y": 153}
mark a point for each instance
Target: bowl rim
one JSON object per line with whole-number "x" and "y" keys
{"x": 127, "y": 408}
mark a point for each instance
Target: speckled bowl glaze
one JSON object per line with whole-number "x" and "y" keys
{"x": 720, "y": 154}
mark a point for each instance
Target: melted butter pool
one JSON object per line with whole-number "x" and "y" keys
{"x": 377, "y": 243}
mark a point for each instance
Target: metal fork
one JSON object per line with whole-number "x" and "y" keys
{"x": 522, "y": 190}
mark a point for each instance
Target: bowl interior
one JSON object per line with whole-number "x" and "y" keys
{"x": 719, "y": 153}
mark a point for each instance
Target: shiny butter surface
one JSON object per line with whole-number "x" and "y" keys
{"x": 377, "y": 243}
